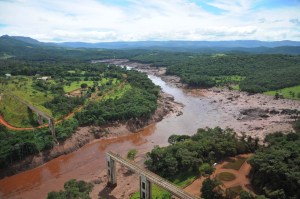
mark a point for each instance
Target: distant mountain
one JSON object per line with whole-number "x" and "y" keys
{"x": 27, "y": 40}
{"x": 9, "y": 44}
{"x": 182, "y": 44}
{"x": 6, "y": 40}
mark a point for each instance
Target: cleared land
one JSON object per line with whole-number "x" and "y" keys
{"x": 289, "y": 93}
{"x": 16, "y": 114}
{"x": 232, "y": 179}
{"x": 235, "y": 163}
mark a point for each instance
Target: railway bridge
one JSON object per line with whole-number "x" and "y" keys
{"x": 146, "y": 178}
{"x": 41, "y": 116}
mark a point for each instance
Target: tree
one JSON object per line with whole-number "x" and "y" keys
{"x": 131, "y": 154}
{"x": 206, "y": 169}
{"x": 73, "y": 189}
{"x": 83, "y": 85}
{"x": 246, "y": 195}
{"x": 210, "y": 189}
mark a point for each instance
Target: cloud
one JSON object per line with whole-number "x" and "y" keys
{"x": 133, "y": 20}
{"x": 295, "y": 21}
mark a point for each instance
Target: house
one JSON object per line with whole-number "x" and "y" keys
{"x": 7, "y": 75}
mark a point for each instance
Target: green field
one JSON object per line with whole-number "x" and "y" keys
{"x": 76, "y": 85}
{"x": 226, "y": 176}
{"x": 235, "y": 164}
{"x": 16, "y": 113}
{"x": 22, "y": 87}
{"x": 157, "y": 193}
{"x": 118, "y": 92}
{"x": 289, "y": 93}
{"x": 230, "y": 81}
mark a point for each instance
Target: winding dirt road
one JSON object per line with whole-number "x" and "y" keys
{"x": 9, "y": 126}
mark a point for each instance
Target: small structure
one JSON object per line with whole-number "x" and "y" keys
{"x": 7, "y": 75}
{"x": 43, "y": 78}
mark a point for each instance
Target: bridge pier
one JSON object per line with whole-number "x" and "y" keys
{"x": 111, "y": 171}
{"x": 145, "y": 188}
{"x": 39, "y": 119}
{"x": 52, "y": 127}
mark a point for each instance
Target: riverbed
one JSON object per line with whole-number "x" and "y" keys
{"x": 201, "y": 109}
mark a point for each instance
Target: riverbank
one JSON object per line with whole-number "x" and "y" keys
{"x": 255, "y": 115}
{"x": 202, "y": 108}
{"x": 84, "y": 135}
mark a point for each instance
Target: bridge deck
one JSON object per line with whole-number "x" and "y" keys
{"x": 152, "y": 177}
{"x": 33, "y": 108}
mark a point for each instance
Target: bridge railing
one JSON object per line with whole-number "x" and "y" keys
{"x": 161, "y": 182}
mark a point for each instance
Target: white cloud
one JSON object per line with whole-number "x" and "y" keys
{"x": 93, "y": 21}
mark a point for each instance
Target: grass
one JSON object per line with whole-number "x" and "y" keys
{"x": 228, "y": 79}
{"x": 22, "y": 87}
{"x": 184, "y": 179}
{"x": 181, "y": 180}
{"x": 226, "y": 176}
{"x": 76, "y": 85}
{"x": 16, "y": 113}
{"x": 157, "y": 193}
{"x": 289, "y": 93}
{"x": 235, "y": 164}
{"x": 118, "y": 92}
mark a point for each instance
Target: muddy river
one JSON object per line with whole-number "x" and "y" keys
{"x": 89, "y": 161}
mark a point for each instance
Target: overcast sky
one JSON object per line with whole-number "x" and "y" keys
{"x": 136, "y": 20}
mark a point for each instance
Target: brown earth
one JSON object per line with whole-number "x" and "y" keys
{"x": 241, "y": 178}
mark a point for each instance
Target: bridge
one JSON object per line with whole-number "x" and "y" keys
{"x": 40, "y": 115}
{"x": 146, "y": 178}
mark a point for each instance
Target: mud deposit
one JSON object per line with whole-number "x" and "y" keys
{"x": 256, "y": 115}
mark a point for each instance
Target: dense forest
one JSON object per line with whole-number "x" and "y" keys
{"x": 139, "y": 102}
{"x": 189, "y": 153}
{"x": 253, "y": 73}
{"x": 276, "y": 168}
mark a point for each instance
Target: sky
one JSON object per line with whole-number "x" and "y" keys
{"x": 151, "y": 20}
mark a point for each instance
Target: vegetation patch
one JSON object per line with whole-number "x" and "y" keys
{"x": 16, "y": 113}
{"x": 23, "y": 88}
{"x": 235, "y": 163}
{"x": 157, "y": 193}
{"x": 234, "y": 191}
{"x": 73, "y": 189}
{"x": 289, "y": 93}
{"x": 226, "y": 176}
{"x": 275, "y": 169}
{"x": 182, "y": 180}
{"x": 76, "y": 85}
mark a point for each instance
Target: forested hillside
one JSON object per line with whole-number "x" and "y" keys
{"x": 108, "y": 94}
{"x": 276, "y": 168}
{"x": 253, "y": 73}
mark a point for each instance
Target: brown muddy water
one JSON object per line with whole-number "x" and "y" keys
{"x": 89, "y": 161}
